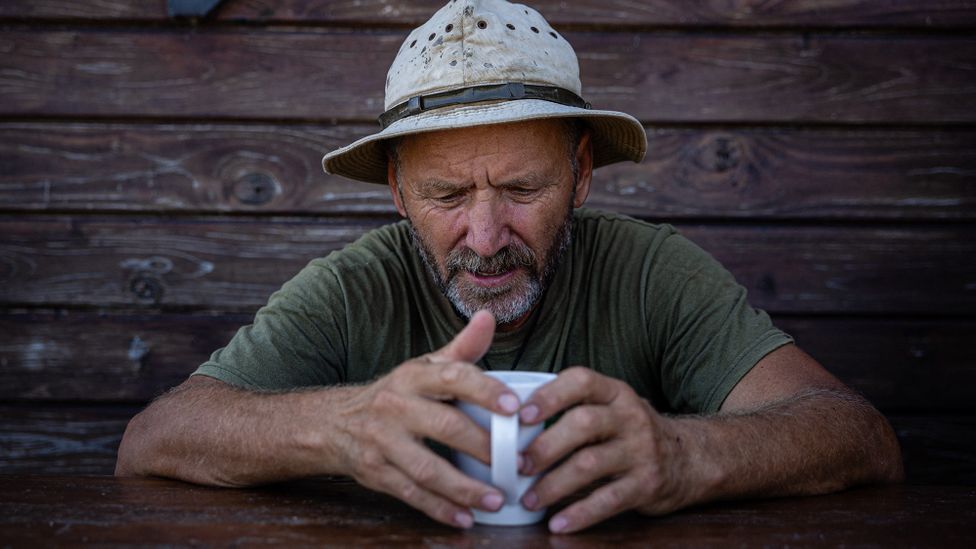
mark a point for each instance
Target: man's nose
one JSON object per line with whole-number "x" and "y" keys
{"x": 488, "y": 230}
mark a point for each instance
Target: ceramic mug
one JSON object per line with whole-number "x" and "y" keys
{"x": 508, "y": 438}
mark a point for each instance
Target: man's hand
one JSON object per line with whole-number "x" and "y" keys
{"x": 384, "y": 427}
{"x": 610, "y": 432}
{"x": 787, "y": 428}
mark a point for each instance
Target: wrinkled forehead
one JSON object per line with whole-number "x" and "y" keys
{"x": 532, "y": 134}
{"x": 531, "y": 146}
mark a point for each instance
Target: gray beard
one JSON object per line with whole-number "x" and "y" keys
{"x": 506, "y": 304}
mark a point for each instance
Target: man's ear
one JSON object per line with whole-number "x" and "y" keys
{"x": 584, "y": 159}
{"x": 391, "y": 180}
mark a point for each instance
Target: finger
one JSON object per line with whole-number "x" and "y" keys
{"x": 578, "y": 427}
{"x": 439, "y": 477}
{"x": 462, "y": 381}
{"x": 573, "y": 386}
{"x": 394, "y": 482}
{"x": 603, "y": 503}
{"x": 449, "y": 426}
{"x": 582, "y": 469}
{"x": 471, "y": 343}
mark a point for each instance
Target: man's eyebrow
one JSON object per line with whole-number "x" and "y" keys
{"x": 532, "y": 180}
{"x": 437, "y": 186}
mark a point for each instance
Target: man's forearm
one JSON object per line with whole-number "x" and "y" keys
{"x": 211, "y": 433}
{"x": 815, "y": 442}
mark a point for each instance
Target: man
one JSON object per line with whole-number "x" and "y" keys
{"x": 488, "y": 151}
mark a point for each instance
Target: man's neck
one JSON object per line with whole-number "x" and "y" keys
{"x": 517, "y": 323}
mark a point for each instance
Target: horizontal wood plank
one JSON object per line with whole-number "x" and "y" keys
{"x": 937, "y": 449}
{"x": 62, "y": 440}
{"x": 313, "y": 74}
{"x": 149, "y": 10}
{"x": 160, "y": 262}
{"x": 752, "y": 173}
{"x": 83, "y": 440}
{"x": 671, "y": 13}
{"x": 899, "y": 365}
{"x": 76, "y": 356}
{"x": 676, "y": 13}
{"x": 235, "y": 264}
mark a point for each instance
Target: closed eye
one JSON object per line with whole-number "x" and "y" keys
{"x": 523, "y": 192}
{"x": 448, "y": 199}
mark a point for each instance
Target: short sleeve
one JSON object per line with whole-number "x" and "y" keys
{"x": 296, "y": 340}
{"x": 708, "y": 335}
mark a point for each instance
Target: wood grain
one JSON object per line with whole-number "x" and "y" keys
{"x": 671, "y": 13}
{"x": 61, "y": 440}
{"x": 899, "y": 365}
{"x": 190, "y": 262}
{"x": 151, "y": 10}
{"x": 312, "y": 74}
{"x": 335, "y": 512}
{"x": 849, "y": 269}
{"x": 77, "y": 356}
{"x": 235, "y": 264}
{"x": 745, "y": 173}
{"x": 937, "y": 449}
{"x": 179, "y": 167}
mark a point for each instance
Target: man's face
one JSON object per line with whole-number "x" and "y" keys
{"x": 491, "y": 209}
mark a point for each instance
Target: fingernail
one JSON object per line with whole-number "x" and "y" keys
{"x": 508, "y": 402}
{"x": 530, "y": 500}
{"x": 526, "y": 467}
{"x": 492, "y": 501}
{"x": 529, "y": 413}
{"x": 558, "y": 524}
{"x": 464, "y": 520}
{"x": 520, "y": 462}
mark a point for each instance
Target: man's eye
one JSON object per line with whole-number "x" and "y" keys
{"x": 523, "y": 191}
{"x": 452, "y": 198}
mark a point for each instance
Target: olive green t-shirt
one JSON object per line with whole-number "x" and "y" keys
{"x": 632, "y": 300}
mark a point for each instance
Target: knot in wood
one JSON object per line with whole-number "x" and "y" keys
{"x": 720, "y": 154}
{"x": 256, "y": 188}
{"x": 146, "y": 289}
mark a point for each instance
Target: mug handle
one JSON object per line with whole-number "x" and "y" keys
{"x": 504, "y": 455}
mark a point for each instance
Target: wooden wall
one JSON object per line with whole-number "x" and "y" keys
{"x": 160, "y": 177}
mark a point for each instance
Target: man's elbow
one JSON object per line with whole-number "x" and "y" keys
{"x": 872, "y": 448}
{"x": 890, "y": 466}
{"x": 131, "y": 457}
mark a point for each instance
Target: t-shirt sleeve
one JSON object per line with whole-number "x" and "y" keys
{"x": 708, "y": 335}
{"x": 296, "y": 340}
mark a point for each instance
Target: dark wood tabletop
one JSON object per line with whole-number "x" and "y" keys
{"x": 105, "y": 510}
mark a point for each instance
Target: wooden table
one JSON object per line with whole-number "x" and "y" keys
{"x": 106, "y": 510}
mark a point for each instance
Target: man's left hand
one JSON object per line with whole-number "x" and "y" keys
{"x": 609, "y": 433}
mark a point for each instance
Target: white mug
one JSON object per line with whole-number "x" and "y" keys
{"x": 508, "y": 438}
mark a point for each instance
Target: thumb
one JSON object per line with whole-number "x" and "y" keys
{"x": 471, "y": 343}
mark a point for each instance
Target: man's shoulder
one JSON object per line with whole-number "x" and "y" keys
{"x": 603, "y": 219}
{"x": 613, "y": 229}
{"x": 626, "y": 242}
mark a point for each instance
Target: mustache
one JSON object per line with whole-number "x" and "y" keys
{"x": 509, "y": 258}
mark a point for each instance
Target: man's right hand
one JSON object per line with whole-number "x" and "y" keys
{"x": 381, "y": 430}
